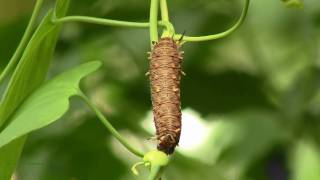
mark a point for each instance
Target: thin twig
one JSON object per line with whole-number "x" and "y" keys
{"x": 222, "y": 34}
{"x": 109, "y": 126}
{"x": 153, "y": 20}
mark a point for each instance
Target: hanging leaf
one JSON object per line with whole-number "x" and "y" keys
{"x": 29, "y": 74}
{"x": 46, "y": 104}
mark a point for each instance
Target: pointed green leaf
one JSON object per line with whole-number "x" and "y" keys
{"x": 23, "y": 43}
{"x": 32, "y": 67}
{"x": 46, "y": 104}
{"x": 29, "y": 74}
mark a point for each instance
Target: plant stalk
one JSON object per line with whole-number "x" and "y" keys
{"x": 109, "y": 126}
{"x": 169, "y": 30}
{"x": 164, "y": 10}
{"x": 109, "y": 22}
{"x": 155, "y": 173}
{"x": 219, "y": 35}
{"x": 102, "y": 21}
{"x": 153, "y": 20}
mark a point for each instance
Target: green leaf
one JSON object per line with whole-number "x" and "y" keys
{"x": 9, "y": 155}
{"x": 29, "y": 74}
{"x": 293, "y": 3}
{"x": 46, "y": 104}
{"x": 306, "y": 160}
{"x": 32, "y": 69}
{"x": 23, "y": 43}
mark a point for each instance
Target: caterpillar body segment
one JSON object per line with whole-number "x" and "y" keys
{"x": 165, "y": 74}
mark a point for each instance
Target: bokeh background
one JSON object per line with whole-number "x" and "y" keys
{"x": 251, "y": 101}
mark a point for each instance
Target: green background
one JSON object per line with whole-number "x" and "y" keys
{"x": 253, "y": 97}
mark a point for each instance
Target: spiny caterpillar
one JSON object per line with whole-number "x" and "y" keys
{"x": 165, "y": 74}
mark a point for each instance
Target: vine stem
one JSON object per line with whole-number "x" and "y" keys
{"x": 153, "y": 20}
{"x": 102, "y": 21}
{"x": 23, "y": 43}
{"x": 109, "y": 22}
{"x": 164, "y": 10}
{"x": 169, "y": 31}
{"x": 155, "y": 173}
{"x": 109, "y": 126}
{"x": 222, "y": 34}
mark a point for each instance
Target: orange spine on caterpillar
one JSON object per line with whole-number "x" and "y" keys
{"x": 165, "y": 74}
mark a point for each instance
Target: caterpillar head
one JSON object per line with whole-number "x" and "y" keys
{"x": 167, "y": 143}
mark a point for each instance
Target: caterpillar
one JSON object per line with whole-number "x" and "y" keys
{"x": 165, "y": 74}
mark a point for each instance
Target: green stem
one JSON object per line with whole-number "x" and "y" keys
{"x": 23, "y": 43}
{"x": 102, "y": 21}
{"x": 222, "y": 34}
{"x": 169, "y": 31}
{"x": 155, "y": 173}
{"x": 153, "y": 20}
{"x": 108, "y": 125}
{"x": 108, "y": 22}
{"x": 164, "y": 11}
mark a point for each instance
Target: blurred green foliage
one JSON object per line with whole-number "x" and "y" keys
{"x": 293, "y": 3}
{"x": 257, "y": 90}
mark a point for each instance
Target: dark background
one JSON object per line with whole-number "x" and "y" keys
{"x": 250, "y": 101}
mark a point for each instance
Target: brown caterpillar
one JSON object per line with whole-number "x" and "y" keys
{"x": 165, "y": 74}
